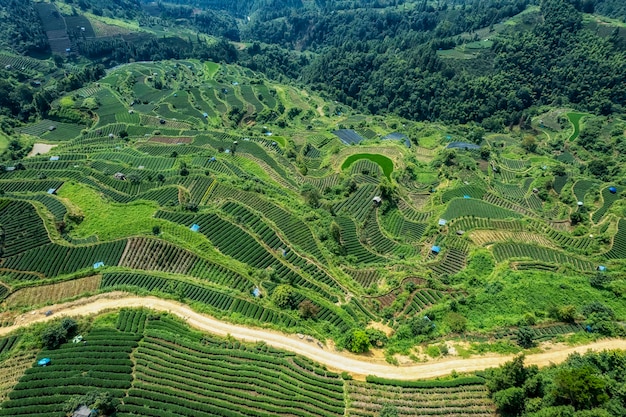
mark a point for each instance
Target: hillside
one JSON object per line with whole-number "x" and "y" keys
{"x": 281, "y": 168}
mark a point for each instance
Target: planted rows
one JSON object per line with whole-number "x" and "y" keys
{"x": 423, "y": 299}
{"x": 381, "y": 243}
{"x": 461, "y": 207}
{"x": 359, "y": 203}
{"x": 75, "y": 369}
{"x": 608, "y": 199}
{"x": 22, "y": 228}
{"x": 131, "y": 321}
{"x": 53, "y": 259}
{"x": 461, "y": 398}
{"x": 504, "y": 251}
{"x": 239, "y": 244}
{"x": 217, "y": 300}
{"x": 157, "y": 255}
{"x": 293, "y": 228}
{"x": 352, "y": 245}
{"x": 209, "y": 381}
{"x": 618, "y": 250}
{"x": 8, "y": 343}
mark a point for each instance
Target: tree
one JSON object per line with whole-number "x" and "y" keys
{"x": 510, "y": 401}
{"x": 529, "y": 143}
{"x": 376, "y": 337}
{"x": 525, "y": 337}
{"x": 307, "y": 309}
{"x": 156, "y": 230}
{"x": 54, "y": 336}
{"x": 580, "y": 387}
{"x": 456, "y": 322}
{"x": 284, "y": 296}
{"x": 357, "y": 341}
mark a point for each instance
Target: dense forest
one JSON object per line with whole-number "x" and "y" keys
{"x": 381, "y": 56}
{"x": 583, "y": 386}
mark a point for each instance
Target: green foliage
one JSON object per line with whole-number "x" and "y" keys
{"x": 357, "y": 341}
{"x": 586, "y": 385}
{"x": 284, "y": 296}
{"x": 580, "y": 387}
{"x": 54, "y": 336}
{"x": 388, "y": 410}
{"x": 525, "y": 337}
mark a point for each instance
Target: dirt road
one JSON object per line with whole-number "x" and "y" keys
{"x": 358, "y": 366}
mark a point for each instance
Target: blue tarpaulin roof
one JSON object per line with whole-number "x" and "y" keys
{"x": 52, "y": 190}
{"x": 98, "y": 265}
{"x": 194, "y": 227}
{"x": 466, "y": 196}
{"x": 442, "y": 222}
{"x": 435, "y": 249}
{"x": 601, "y": 268}
{"x": 44, "y": 362}
{"x": 256, "y": 292}
{"x": 54, "y": 158}
{"x": 613, "y": 190}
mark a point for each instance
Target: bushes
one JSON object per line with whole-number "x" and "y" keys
{"x": 55, "y": 336}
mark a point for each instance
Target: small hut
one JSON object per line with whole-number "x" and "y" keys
{"x": 580, "y": 204}
{"x": 435, "y": 249}
{"x": 442, "y": 222}
{"x": 98, "y": 264}
{"x": 377, "y": 200}
{"x": 612, "y": 190}
{"x": 119, "y": 176}
{"x": 44, "y": 362}
{"x": 195, "y": 228}
{"x": 601, "y": 268}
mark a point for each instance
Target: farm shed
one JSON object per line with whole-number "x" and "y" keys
{"x": 194, "y": 227}
{"x": 377, "y": 200}
{"x": 442, "y": 222}
{"x": 119, "y": 176}
{"x": 612, "y": 190}
{"x": 44, "y": 362}
{"x": 55, "y": 158}
{"x": 52, "y": 190}
{"x": 601, "y": 268}
{"x": 256, "y": 292}
{"x": 435, "y": 249}
{"x": 98, "y": 265}
{"x": 580, "y": 204}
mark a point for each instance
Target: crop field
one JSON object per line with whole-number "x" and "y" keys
{"x": 462, "y": 207}
{"x": 52, "y": 293}
{"x": 160, "y": 190}
{"x": 504, "y": 251}
{"x": 367, "y": 400}
{"x": 608, "y": 198}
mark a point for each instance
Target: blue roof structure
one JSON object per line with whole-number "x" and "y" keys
{"x": 54, "y": 158}
{"x": 601, "y": 268}
{"x": 212, "y": 159}
{"x": 435, "y": 249}
{"x": 613, "y": 190}
{"x": 466, "y": 196}
{"x": 256, "y": 292}
{"x": 98, "y": 265}
{"x": 44, "y": 362}
{"x": 52, "y": 190}
{"x": 398, "y": 136}
{"x": 205, "y": 115}
{"x": 194, "y": 228}
{"x": 348, "y": 136}
{"x": 442, "y": 222}
{"x": 462, "y": 145}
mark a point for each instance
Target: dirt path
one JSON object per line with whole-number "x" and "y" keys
{"x": 358, "y": 366}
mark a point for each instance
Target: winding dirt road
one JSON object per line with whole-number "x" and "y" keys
{"x": 358, "y": 366}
